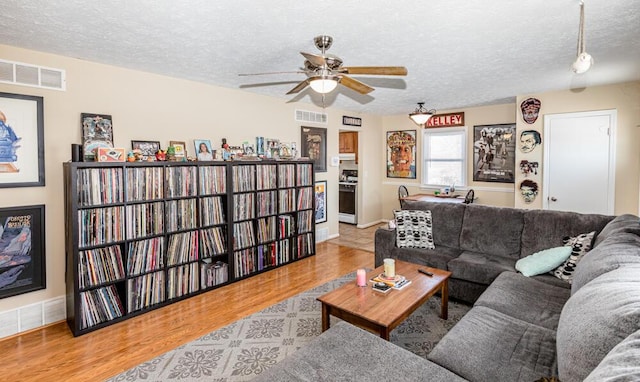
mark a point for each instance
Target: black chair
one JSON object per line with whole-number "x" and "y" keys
{"x": 468, "y": 199}
{"x": 402, "y": 193}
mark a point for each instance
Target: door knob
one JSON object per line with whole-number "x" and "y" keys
{"x": 553, "y": 199}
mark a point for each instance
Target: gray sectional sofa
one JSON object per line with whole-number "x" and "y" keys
{"x": 519, "y": 328}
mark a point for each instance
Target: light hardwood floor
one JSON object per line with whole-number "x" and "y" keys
{"x": 53, "y": 354}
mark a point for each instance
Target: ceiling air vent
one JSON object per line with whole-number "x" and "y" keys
{"x": 18, "y": 73}
{"x": 311, "y": 116}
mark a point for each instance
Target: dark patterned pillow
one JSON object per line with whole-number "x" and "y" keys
{"x": 413, "y": 229}
{"x": 580, "y": 245}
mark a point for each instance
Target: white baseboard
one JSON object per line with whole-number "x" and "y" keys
{"x": 334, "y": 236}
{"x": 32, "y": 316}
{"x": 367, "y": 225}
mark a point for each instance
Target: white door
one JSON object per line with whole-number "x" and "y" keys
{"x": 579, "y": 168}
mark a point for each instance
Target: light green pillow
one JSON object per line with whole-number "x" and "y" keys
{"x": 543, "y": 261}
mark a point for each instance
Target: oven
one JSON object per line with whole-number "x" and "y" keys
{"x": 347, "y": 203}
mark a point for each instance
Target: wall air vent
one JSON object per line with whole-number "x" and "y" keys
{"x": 311, "y": 116}
{"x": 18, "y": 73}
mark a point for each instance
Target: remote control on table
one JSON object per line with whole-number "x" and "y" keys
{"x": 425, "y": 272}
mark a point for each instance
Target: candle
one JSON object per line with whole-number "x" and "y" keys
{"x": 389, "y": 267}
{"x": 361, "y": 277}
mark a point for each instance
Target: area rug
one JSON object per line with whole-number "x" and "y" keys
{"x": 247, "y": 347}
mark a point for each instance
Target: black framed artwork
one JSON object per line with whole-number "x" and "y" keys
{"x": 314, "y": 146}
{"x": 401, "y": 154}
{"x": 21, "y": 140}
{"x": 22, "y": 251}
{"x": 494, "y": 149}
{"x": 97, "y": 132}
{"x": 148, "y": 148}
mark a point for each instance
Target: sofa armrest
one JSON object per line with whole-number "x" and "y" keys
{"x": 385, "y": 242}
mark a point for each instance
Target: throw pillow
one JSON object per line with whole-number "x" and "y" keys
{"x": 414, "y": 229}
{"x": 543, "y": 261}
{"x": 579, "y": 245}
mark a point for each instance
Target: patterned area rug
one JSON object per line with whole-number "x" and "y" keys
{"x": 244, "y": 349}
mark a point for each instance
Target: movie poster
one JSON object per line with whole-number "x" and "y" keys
{"x": 494, "y": 150}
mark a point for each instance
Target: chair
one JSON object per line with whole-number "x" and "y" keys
{"x": 468, "y": 199}
{"x": 402, "y": 193}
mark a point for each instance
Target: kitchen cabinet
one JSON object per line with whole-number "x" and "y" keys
{"x": 349, "y": 143}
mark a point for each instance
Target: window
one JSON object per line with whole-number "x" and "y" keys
{"x": 444, "y": 156}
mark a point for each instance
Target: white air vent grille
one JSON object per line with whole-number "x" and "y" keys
{"x": 19, "y": 73}
{"x": 311, "y": 116}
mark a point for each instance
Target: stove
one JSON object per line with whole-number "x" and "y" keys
{"x": 348, "y": 197}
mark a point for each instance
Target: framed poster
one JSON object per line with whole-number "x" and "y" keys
{"x": 494, "y": 150}
{"x": 401, "y": 154}
{"x": 21, "y": 140}
{"x": 314, "y": 146}
{"x": 22, "y": 260}
{"x": 321, "y": 201}
{"x": 148, "y": 148}
{"x": 97, "y": 131}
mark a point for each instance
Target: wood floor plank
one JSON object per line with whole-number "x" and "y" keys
{"x": 53, "y": 354}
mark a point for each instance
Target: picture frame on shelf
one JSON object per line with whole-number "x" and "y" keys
{"x": 148, "y": 148}
{"x": 22, "y": 250}
{"x": 97, "y": 131}
{"x": 22, "y": 142}
{"x": 180, "y": 148}
{"x": 314, "y": 146}
{"x": 203, "y": 149}
{"x": 320, "y": 189}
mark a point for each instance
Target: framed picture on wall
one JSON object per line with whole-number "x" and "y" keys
{"x": 401, "y": 154}
{"x": 321, "y": 201}
{"x": 314, "y": 146}
{"x": 22, "y": 251}
{"x": 21, "y": 140}
{"x": 97, "y": 131}
{"x": 494, "y": 148}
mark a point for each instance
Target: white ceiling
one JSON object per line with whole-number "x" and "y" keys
{"x": 459, "y": 53}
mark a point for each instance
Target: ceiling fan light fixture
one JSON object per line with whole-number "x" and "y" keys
{"x": 323, "y": 84}
{"x": 421, "y": 115}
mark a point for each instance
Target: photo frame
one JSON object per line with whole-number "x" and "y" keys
{"x": 203, "y": 149}
{"x": 21, "y": 140}
{"x": 314, "y": 146}
{"x": 320, "y": 201}
{"x": 148, "y": 148}
{"x": 180, "y": 148}
{"x": 97, "y": 132}
{"x": 401, "y": 154}
{"x": 22, "y": 250}
{"x": 494, "y": 149}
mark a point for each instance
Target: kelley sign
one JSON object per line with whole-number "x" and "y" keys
{"x": 446, "y": 120}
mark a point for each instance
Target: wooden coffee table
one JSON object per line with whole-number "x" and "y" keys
{"x": 383, "y": 312}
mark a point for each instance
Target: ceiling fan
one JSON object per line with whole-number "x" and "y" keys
{"x": 324, "y": 71}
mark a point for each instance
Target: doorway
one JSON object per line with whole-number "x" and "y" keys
{"x": 579, "y": 162}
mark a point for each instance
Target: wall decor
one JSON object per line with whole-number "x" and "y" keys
{"x": 321, "y": 201}
{"x": 527, "y": 168}
{"x": 529, "y": 140}
{"x": 97, "y": 131}
{"x": 446, "y": 120}
{"x": 401, "y": 154}
{"x": 22, "y": 250}
{"x": 528, "y": 190}
{"x": 21, "y": 140}
{"x": 494, "y": 150}
{"x": 203, "y": 149}
{"x": 180, "y": 149}
{"x": 148, "y": 148}
{"x": 530, "y": 108}
{"x": 351, "y": 121}
{"x": 314, "y": 146}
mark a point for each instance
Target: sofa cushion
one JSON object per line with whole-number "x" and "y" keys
{"x": 486, "y": 345}
{"x": 543, "y": 261}
{"x": 447, "y": 220}
{"x": 623, "y": 223}
{"x": 579, "y": 245}
{"x": 347, "y": 353}
{"x": 546, "y": 229}
{"x": 494, "y": 230}
{"x": 596, "y": 318}
{"x": 413, "y": 229}
{"x": 550, "y": 279}
{"x": 480, "y": 267}
{"x": 437, "y": 258}
{"x": 620, "y": 364}
{"x": 526, "y": 299}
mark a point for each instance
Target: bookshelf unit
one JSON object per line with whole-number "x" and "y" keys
{"x": 143, "y": 235}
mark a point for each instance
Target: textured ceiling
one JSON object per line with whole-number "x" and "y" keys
{"x": 459, "y": 53}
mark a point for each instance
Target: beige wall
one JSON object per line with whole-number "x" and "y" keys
{"x": 625, "y": 98}
{"x": 146, "y": 106}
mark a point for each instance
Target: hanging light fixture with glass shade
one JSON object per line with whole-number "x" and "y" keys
{"x": 583, "y": 60}
{"x": 324, "y": 83}
{"x": 421, "y": 115}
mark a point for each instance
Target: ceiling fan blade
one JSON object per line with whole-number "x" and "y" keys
{"x": 356, "y": 85}
{"x": 314, "y": 59}
{"x": 379, "y": 70}
{"x": 266, "y": 73}
{"x": 299, "y": 87}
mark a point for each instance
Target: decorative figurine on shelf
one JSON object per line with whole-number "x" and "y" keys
{"x": 131, "y": 157}
{"x": 161, "y": 155}
{"x": 226, "y": 153}
{"x": 171, "y": 153}
{"x": 138, "y": 155}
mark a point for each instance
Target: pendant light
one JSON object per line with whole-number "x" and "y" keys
{"x": 421, "y": 115}
{"x": 583, "y": 60}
